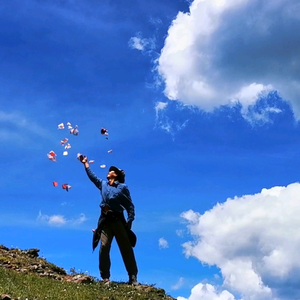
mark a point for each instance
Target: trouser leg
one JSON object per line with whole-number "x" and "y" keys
{"x": 125, "y": 248}
{"x": 104, "y": 256}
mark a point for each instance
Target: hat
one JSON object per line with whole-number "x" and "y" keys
{"x": 120, "y": 173}
{"x": 132, "y": 238}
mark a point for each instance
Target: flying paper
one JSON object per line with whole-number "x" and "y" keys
{"x": 91, "y": 161}
{"x": 109, "y": 151}
{"x": 104, "y": 131}
{"x": 66, "y": 187}
{"x": 52, "y": 156}
{"x": 62, "y": 142}
{"x": 103, "y": 166}
{"x": 55, "y": 183}
{"x": 65, "y": 153}
{"x": 61, "y": 126}
{"x": 74, "y": 131}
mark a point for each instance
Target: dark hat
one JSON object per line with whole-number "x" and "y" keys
{"x": 120, "y": 173}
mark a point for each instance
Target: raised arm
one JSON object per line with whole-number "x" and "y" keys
{"x": 97, "y": 181}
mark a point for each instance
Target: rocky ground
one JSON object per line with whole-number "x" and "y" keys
{"x": 28, "y": 261}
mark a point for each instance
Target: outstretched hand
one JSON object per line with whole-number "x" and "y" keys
{"x": 83, "y": 159}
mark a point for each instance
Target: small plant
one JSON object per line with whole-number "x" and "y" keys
{"x": 73, "y": 271}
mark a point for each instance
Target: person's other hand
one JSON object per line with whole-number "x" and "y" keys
{"x": 128, "y": 225}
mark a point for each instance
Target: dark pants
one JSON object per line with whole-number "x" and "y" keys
{"x": 116, "y": 229}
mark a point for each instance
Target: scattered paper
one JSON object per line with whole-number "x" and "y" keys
{"x": 61, "y": 126}
{"x": 109, "y": 151}
{"x": 103, "y": 166}
{"x": 52, "y": 153}
{"x": 91, "y": 161}
{"x": 62, "y": 142}
{"x": 55, "y": 183}
{"x": 65, "y": 153}
{"x": 74, "y": 131}
{"x": 66, "y": 187}
{"x": 52, "y": 156}
{"x": 104, "y": 132}
{"x": 68, "y": 146}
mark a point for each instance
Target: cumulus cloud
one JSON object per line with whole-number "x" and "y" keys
{"x": 207, "y": 292}
{"x": 163, "y": 244}
{"x": 224, "y": 52}
{"x": 253, "y": 240}
{"x": 60, "y": 220}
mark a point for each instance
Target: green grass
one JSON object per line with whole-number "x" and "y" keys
{"x": 33, "y": 287}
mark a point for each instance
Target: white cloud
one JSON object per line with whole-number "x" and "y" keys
{"x": 142, "y": 44}
{"x": 254, "y": 240}
{"x": 163, "y": 244}
{"x": 160, "y": 106}
{"x": 207, "y": 292}
{"x": 155, "y": 21}
{"x": 57, "y": 220}
{"x": 224, "y": 51}
{"x": 81, "y": 219}
{"x": 16, "y": 127}
{"x": 248, "y": 94}
{"x": 60, "y": 220}
{"x": 180, "y": 232}
{"x": 179, "y": 284}
{"x": 164, "y": 122}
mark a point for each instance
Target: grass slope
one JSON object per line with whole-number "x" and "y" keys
{"x": 21, "y": 278}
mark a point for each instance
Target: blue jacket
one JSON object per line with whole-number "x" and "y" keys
{"x": 116, "y": 196}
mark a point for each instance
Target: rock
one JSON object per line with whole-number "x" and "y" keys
{"x": 23, "y": 270}
{"x": 79, "y": 278}
{"x": 28, "y": 261}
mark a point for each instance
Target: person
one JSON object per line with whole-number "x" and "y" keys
{"x": 115, "y": 197}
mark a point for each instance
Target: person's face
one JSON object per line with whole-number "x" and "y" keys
{"x": 111, "y": 175}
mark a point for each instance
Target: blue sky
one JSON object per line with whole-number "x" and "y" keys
{"x": 201, "y": 102}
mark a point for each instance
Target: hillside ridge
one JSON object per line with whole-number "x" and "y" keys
{"x": 15, "y": 262}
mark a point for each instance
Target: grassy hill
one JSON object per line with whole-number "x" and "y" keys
{"x": 26, "y": 276}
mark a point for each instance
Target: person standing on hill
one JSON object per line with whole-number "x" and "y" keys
{"x": 115, "y": 197}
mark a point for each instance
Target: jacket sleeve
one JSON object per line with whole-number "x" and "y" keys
{"x": 97, "y": 181}
{"x": 127, "y": 204}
